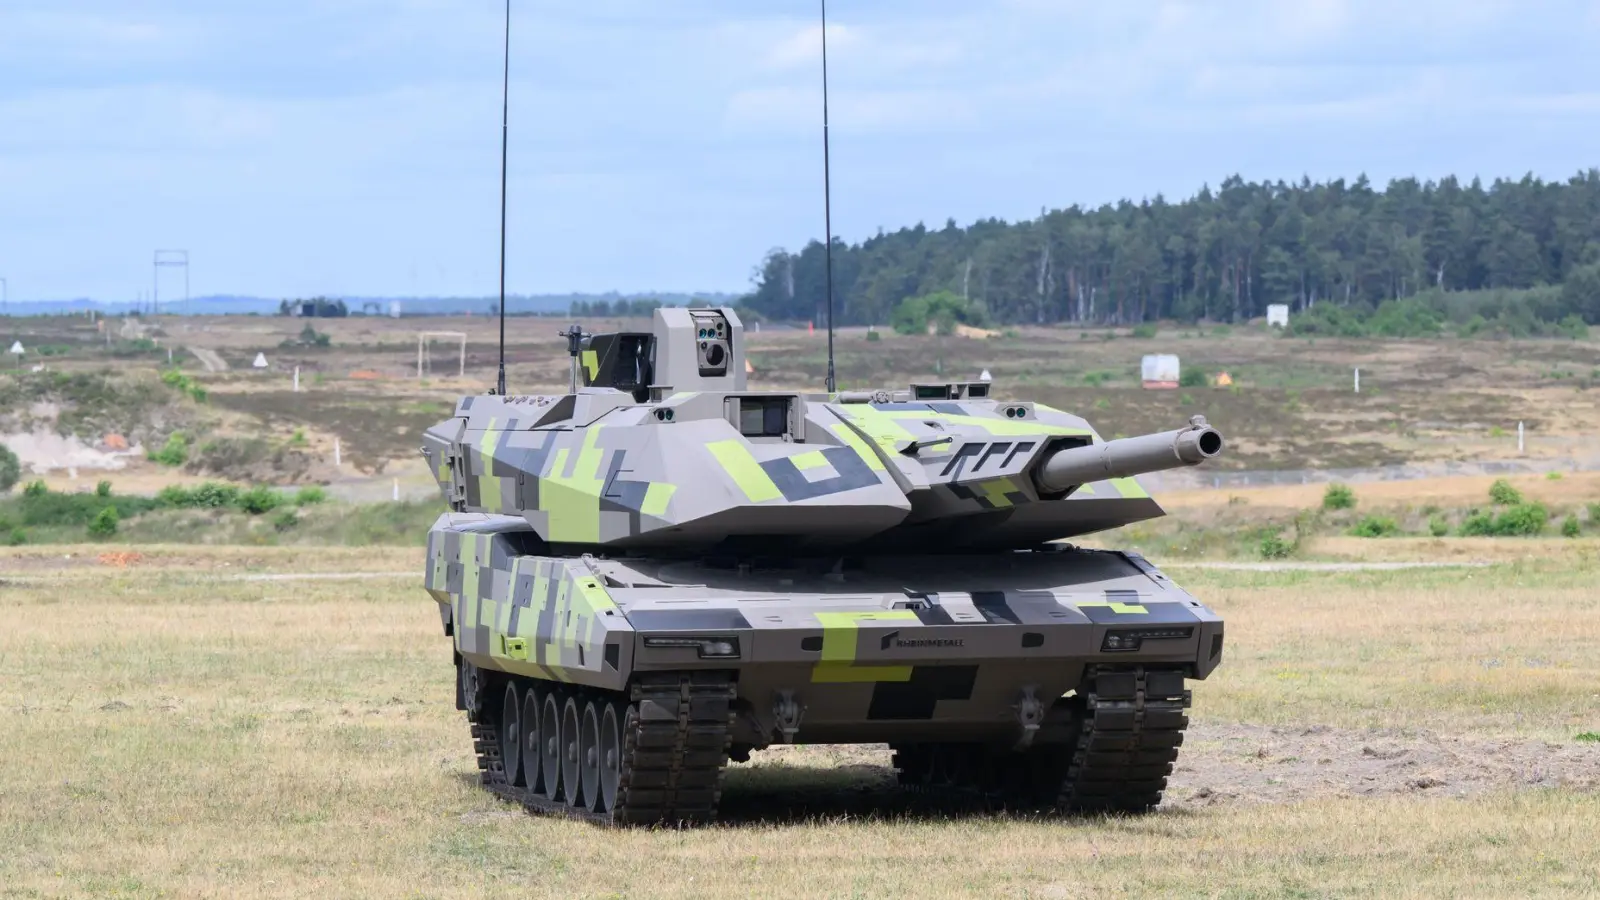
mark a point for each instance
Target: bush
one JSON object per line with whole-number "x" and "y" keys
{"x": 259, "y": 500}
{"x": 102, "y": 489}
{"x": 1190, "y": 378}
{"x": 1095, "y": 379}
{"x": 104, "y": 524}
{"x": 1594, "y": 513}
{"x": 1570, "y": 527}
{"x": 1501, "y": 493}
{"x": 212, "y": 495}
{"x": 873, "y": 336}
{"x": 1338, "y": 496}
{"x": 1438, "y": 527}
{"x": 1273, "y": 546}
{"x": 175, "y": 452}
{"x": 10, "y": 469}
{"x": 176, "y": 379}
{"x": 1522, "y": 520}
{"x": 942, "y": 310}
{"x": 16, "y": 537}
{"x": 285, "y": 521}
{"x": 310, "y": 495}
{"x": 36, "y": 488}
{"x": 1144, "y": 330}
{"x": 1376, "y": 527}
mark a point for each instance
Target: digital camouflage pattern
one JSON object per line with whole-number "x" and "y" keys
{"x": 853, "y": 567}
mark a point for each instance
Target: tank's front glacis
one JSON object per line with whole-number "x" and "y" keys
{"x": 907, "y": 648}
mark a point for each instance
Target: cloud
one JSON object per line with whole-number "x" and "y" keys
{"x": 312, "y": 145}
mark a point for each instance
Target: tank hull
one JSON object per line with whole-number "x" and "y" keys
{"x": 996, "y": 650}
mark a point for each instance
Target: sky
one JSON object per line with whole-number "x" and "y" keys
{"x": 352, "y": 147}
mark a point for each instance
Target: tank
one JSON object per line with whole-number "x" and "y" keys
{"x": 663, "y": 570}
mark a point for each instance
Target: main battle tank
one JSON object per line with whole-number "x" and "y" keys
{"x": 662, "y": 570}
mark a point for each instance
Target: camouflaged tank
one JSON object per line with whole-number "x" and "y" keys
{"x": 664, "y": 570}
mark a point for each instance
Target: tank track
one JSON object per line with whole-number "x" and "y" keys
{"x": 1108, "y": 749}
{"x": 676, "y": 733}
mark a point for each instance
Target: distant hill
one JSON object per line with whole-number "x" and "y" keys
{"x": 233, "y": 305}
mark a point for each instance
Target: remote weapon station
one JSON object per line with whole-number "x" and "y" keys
{"x": 662, "y": 569}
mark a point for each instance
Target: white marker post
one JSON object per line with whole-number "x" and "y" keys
{"x": 336, "y": 453}
{"x": 297, "y": 379}
{"x": 1519, "y": 438}
{"x": 397, "y": 490}
{"x": 1358, "y": 380}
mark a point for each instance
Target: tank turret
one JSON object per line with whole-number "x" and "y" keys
{"x": 662, "y": 444}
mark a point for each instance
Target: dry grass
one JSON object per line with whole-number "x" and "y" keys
{"x": 170, "y": 734}
{"x": 1461, "y": 491}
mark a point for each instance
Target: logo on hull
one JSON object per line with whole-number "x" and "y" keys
{"x": 893, "y": 639}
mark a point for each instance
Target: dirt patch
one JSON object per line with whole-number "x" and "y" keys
{"x": 1223, "y": 764}
{"x": 1261, "y": 764}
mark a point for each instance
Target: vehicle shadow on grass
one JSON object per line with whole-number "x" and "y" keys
{"x": 800, "y": 795}
{"x": 803, "y": 795}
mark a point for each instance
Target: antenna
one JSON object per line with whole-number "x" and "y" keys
{"x": 505, "y": 132}
{"x": 827, "y": 194}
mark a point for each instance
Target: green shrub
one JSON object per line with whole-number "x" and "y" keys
{"x": 1376, "y": 527}
{"x": 212, "y": 495}
{"x": 10, "y": 469}
{"x": 1191, "y": 378}
{"x": 14, "y": 538}
{"x": 259, "y": 500}
{"x": 1570, "y": 527}
{"x": 285, "y": 521}
{"x": 874, "y": 336}
{"x": 1522, "y": 520}
{"x": 36, "y": 488}
{"x": 1273, "y": 546}
{"x": 1552, "y": 476}
{"x": 310, "y": 495}
{"x": 209, "y": 495}
{"x": 102, "y": 489}
{"x": 1438, "y": 527}
{"x": 1338, "y": 496}
{"x": 1501, "y": 493}
{"x": 176, "y": 379}
{"x": 104, "y": 524}
{"x": 175, "y": 452}
{"x": 1095, "y": 379}
{"x": 1144, "y": 330}
{"x": 1594, "y": 513}
{"x": 942, "y": 310}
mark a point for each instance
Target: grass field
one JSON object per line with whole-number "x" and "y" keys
{"x": 210, "y": 722}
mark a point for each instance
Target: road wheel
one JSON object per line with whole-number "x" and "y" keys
{"x": 550, "y": 747}
{"x": 532, "y": 714}
{"x": 511, "y": 735}
{"x": 572, "y": 785}
{"x": 609, "y": 761}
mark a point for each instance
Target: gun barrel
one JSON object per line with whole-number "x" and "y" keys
{"x": 1130, "y": 456}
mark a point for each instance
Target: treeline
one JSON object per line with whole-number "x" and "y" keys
{"x": 1222, "y": 255}
{"x": 623, "y": 308}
